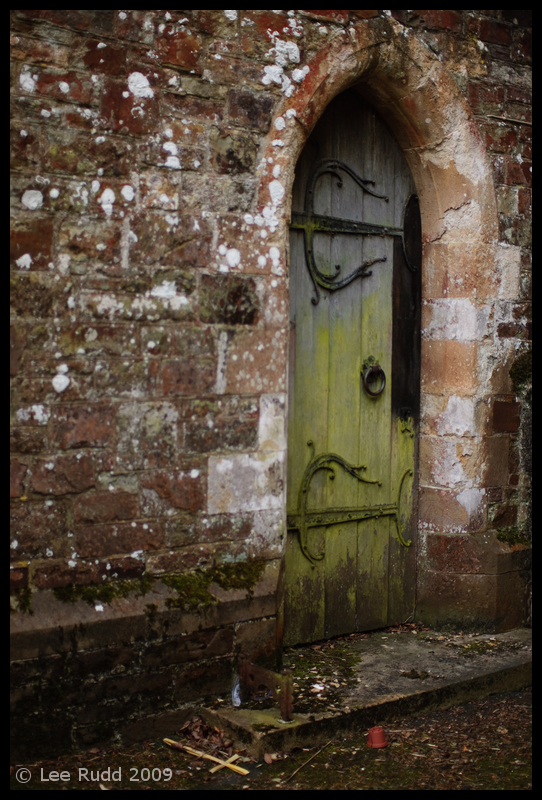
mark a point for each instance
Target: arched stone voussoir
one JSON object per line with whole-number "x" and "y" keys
{"x": 423, "y": 107}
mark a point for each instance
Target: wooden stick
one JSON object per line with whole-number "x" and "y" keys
{"x": 179, "y": 746}
{"x": 306, "y": 762}
{"x": 226, "y": 763}
{"x": 510, "y": 119}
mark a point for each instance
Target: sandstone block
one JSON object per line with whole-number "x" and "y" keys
{"x": 147, "y": 435}
{"x": 229, "y": 299}
{"x": 32, "y": 294}
{"x": 449, "y": 367}
{"x": 181, "y": 489}
{"x": 59, "y": 573}
{"x": 120, "y": 537}
{"x": 37, "y": 528}
{"x": 452, "y": 511}
{"x": 106, "y": 507}
{"x": 497, "y": 463}
{"x": 17, "y": 472}
{"x": 245, "y": 482}
{"x": 123, "y": 110}
{"x": 250, "y": 108}
{"x": 506, "y": 416}
{"x": 63, "y": 474}
{"x": 30, "y": 243}
{"x": 18, "y": 576}
{"x": 83, "y": 427}
{"x": 254, "y": 361}
{"x": 227, "y": 424}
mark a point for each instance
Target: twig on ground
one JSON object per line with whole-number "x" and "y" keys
{"x": 306, "y": 762}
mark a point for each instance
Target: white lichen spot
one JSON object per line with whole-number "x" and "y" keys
{"x": 176, "y": 302}
{"x": 60, "y": 383}
{"x": 286, "y": 51}
{"x": 23, "y": 134}
{"x": 64, "y": 87}
{"x": 32, "y": 199}
{"x": 166, "y": 290}
{"x": 194, "y": 473}
{"x": 233, "y": 257}
{"x": 106, "y": 201}
{"x": 276, "y": 190}
{"x": 277, "y": 143}
{"x": 291, "y": 111}
{"x": 262, "y": 261}
{"x": 37, "y": 412}
{"x": 272, "y": 74}
{"x": 299, "y": 75}
{"x": 100, "y": 45}
{"x": 64, "y": 262}
{"x": 25, "y": 261}
{"x": 98, "y": 607}
{"x": 231, "y": 15}
{"x": 172, "y": 162}
{"x": 139, "y": 85}
{"x": 54, "y": 193}
{"x": 27, "y": 81}
{"x": 127, "y": 192}
{"x": 280, "y": 123}
{"x": 276, "y": 171}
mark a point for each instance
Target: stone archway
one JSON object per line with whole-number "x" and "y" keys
{"x": 422, "y": 105}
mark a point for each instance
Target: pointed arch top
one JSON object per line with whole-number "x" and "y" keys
{"x": 422, "y": 105}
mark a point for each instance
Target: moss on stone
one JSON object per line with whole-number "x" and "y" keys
{"x": 192, "y": 589}
{"x": 22, "y": 599}
{"x": 103, "y": 593}
{"x": 521, "y": 371}
{"x": 512, "y": 536}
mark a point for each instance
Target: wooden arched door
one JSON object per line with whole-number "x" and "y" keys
{"x": 355, "y": 252}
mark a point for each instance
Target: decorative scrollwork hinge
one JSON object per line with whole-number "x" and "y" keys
{"x": 311, "y": 223}
{"x": 305, "y": 519}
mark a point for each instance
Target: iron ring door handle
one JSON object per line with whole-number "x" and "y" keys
{"x": 376, "y": 369}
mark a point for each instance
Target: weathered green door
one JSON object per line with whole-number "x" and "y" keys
{"x": 355, "y": 252}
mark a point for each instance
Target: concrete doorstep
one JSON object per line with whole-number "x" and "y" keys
{"x": 390, "y": 675}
